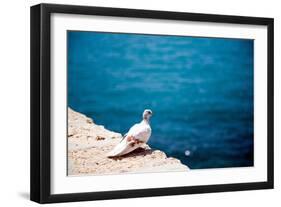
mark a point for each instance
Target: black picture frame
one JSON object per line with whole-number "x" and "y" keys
{"x": 41, "y": 99}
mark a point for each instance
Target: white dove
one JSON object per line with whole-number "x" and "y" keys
{"x": 134, "y": 138}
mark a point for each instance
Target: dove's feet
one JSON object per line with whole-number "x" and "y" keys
{"x": 133, "y": 141}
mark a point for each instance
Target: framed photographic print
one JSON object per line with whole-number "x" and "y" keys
{"x": 132, "y": 103}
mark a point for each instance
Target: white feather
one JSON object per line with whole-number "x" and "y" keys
{"x": 140, "y": 131}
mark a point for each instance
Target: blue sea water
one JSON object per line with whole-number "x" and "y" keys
{"x": 199, "y": 89}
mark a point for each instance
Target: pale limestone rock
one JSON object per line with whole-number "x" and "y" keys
{"x": 89, "y": 143}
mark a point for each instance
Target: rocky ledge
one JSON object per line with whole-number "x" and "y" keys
{"x": 89, "y": 143}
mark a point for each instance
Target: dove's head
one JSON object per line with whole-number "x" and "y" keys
{"x": 147, "y": 114}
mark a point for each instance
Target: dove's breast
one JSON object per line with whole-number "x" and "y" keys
{"x": 145, "y": 133}
{"x": 140, "y": 131}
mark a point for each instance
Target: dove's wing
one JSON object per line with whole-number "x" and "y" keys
{"x": 131, "y": 131}
{"x": 122, "y": 148}
{"x": 134, "y": 130}
{"x": 140, "y": 132}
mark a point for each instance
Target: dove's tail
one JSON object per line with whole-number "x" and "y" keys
{"x": 112, "y": 153}
{"x": 118, "y": 150}
{"x": 121, "y": 149}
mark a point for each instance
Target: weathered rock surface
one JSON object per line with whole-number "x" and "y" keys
{"x": 89, "y": 143}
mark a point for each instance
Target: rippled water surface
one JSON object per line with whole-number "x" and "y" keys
{"x": 199, "y": 89}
